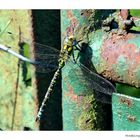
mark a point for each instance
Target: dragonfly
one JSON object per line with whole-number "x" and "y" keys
{"x": 52, "y": 59}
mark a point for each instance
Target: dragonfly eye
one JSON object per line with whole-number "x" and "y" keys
{"x": 66, "y": 40}
{"x": 71, "y": 38}
{"x": 74, "y": 43}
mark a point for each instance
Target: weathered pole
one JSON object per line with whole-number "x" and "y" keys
{"x": 80, "y": 109}
{"x": 114, "y": 53}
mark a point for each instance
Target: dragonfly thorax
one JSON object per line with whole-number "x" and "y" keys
{"x": 66, "y": 50}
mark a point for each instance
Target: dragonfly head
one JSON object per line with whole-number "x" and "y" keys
{"x": 71, "y": 41}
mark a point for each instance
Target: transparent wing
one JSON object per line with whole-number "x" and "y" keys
{"x": 101, "y": 84}
{"x": 102, "y": 88}
{"x": 46, "y": 58}
{"x": 43, "y": 57}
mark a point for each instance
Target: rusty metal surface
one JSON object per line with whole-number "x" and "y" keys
{"x": 125, "y": 113}
{"x": 80, "y": 110}
{"x": 117, "y": 57}
{"x": 114, "y": 56}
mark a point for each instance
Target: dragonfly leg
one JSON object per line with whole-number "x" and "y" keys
{"x": 74, "y": 60}
{"x": 77, "y": 46}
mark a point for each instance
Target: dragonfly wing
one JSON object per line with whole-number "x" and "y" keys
{"x": 45, "y": 49}
{"x": 46, "y": 58}
{"x": 102, "y": 88}
{"x": 100, "y": 84}
{"x": 43, "y": 57}
{"x": 46, "y": 63}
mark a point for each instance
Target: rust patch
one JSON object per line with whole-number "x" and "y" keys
{"x": 124, "y": 13}
{"x": 112, "y": 49}
{"x": 69, "y": 14}
{"x": 73, "y": 23}
{"x": 108, "y": 74}
{"x": 131, "y": 118}
{"x": 126, "y": 101}
{"x": 73, "y": 96}
{"x": 70, "y": 31}
{"x": 117, "y": 48}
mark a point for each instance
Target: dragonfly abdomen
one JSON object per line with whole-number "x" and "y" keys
{"x": 53, "y": 81}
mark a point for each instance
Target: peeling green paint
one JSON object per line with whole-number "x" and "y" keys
{"x": 135, "y": 41}
{"x": 76, "y": 97}
{"x": 125, "y": 112}
{"x": 122, "y": 66}
{"x": 96, "y": 44}
{"x": 75, "y": 89}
